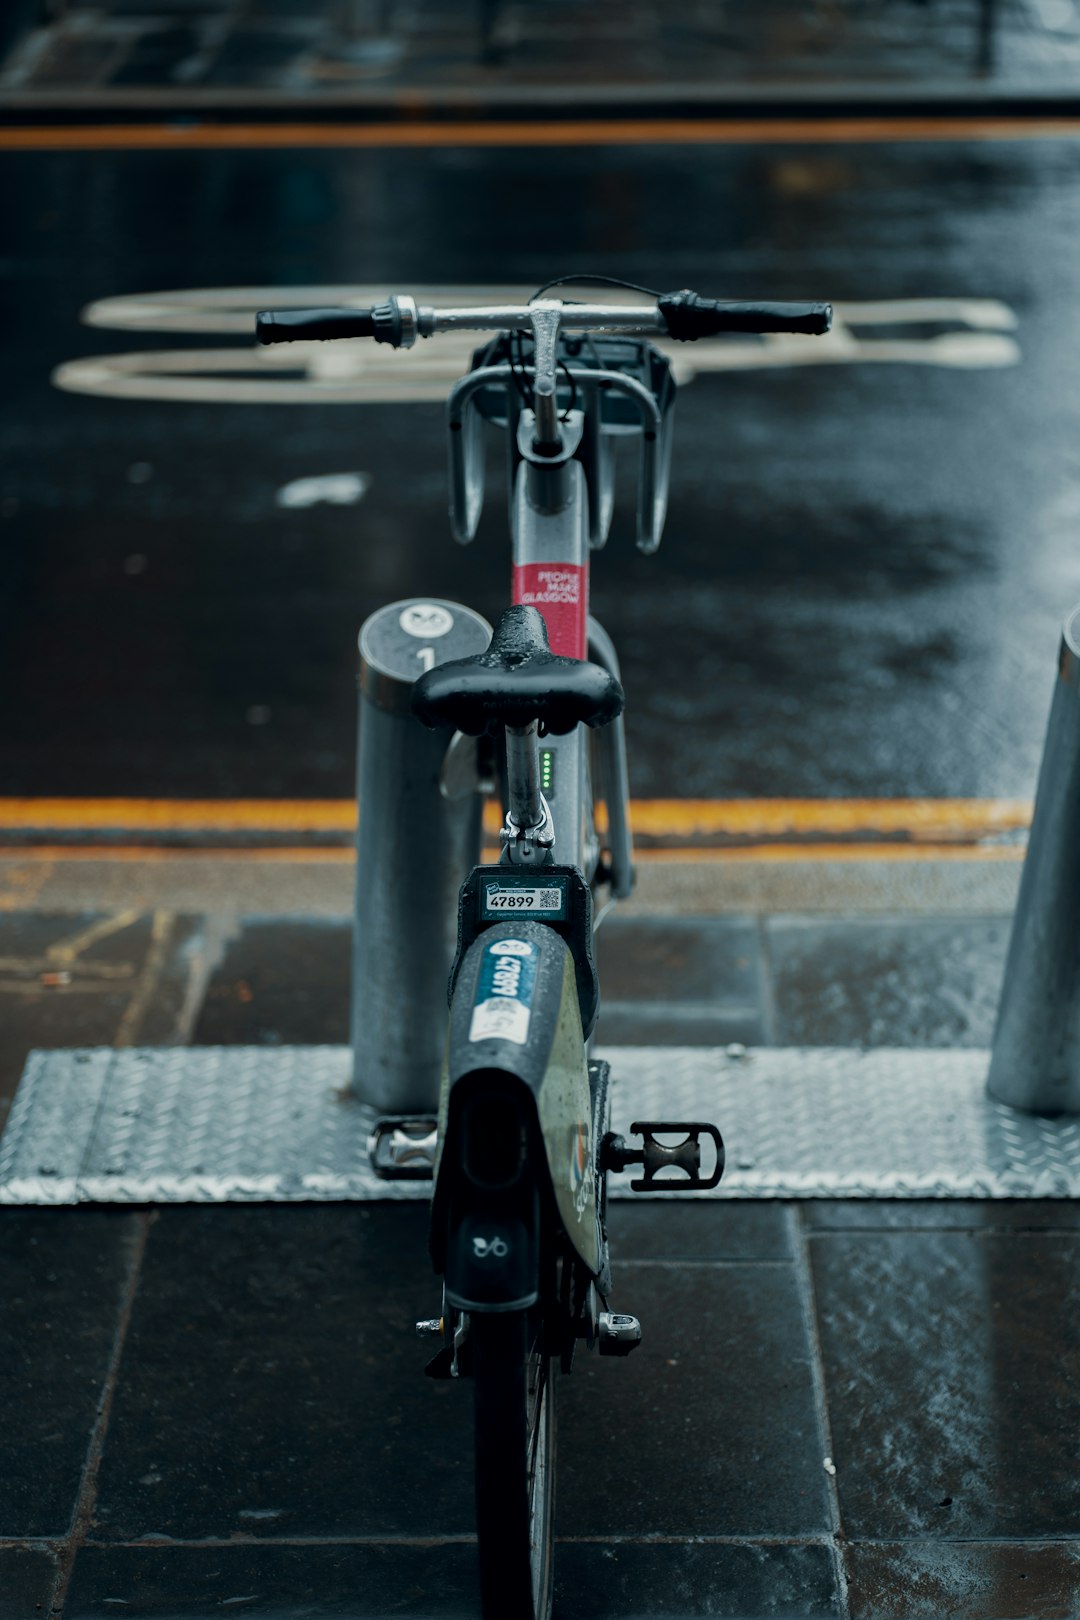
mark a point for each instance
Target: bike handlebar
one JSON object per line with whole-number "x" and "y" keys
{"x": 290, "y": 325}
{"x": 680, "y": 315}
{"x": 688, "y": 317}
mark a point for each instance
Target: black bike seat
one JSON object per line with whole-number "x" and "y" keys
{"x": 517, "y": 680}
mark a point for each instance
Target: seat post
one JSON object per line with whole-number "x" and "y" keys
{"x": 528, "y": 833}
{"x": 523, "y": 772}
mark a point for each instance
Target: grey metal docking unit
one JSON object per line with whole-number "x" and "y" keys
{"x": 418, "y": 836}
{"x": 1035, "y": 1064}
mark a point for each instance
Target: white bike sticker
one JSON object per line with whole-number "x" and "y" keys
{"x": 500, "y": 1020}
{"x": 426, "y": 620}
{"x": 502, "y": 1009}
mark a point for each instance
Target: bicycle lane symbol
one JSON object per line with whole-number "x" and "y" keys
{"x": 954, "y": 333}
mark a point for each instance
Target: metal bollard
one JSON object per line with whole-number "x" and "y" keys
{"x": 417, "y": 838}
{"x": 1035, "y": 1064}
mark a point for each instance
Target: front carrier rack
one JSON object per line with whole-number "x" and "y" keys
{"x": 609, "y": 388}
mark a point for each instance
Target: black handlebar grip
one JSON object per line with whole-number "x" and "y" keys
{"x": 689, "y": 317}
{"x": 309, "y": 325}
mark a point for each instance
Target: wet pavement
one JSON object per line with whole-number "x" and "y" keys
{"x": 419, "y": 55}
{"x": 868, "y": 555}
{"x": 218, "y": 1408}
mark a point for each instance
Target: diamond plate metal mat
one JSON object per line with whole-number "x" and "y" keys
{"x": 256, "y": 1124}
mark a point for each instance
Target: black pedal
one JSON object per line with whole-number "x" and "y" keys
{"x": 654, "y": 1156}
{"x": 402, "y": 1147}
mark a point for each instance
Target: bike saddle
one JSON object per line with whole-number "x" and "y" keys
{"x": 517, "y": 680}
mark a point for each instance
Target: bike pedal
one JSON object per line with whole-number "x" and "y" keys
{"x": 402, "y": 1148}
{"x": 654, "y": 1156}
{"x": 617, "y": 1335}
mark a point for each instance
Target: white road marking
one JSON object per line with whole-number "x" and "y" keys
{"x": 333, "y": 489}
{"x": 363, "y": 373}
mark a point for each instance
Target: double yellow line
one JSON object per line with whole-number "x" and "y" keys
{"x": 686, "y": 828}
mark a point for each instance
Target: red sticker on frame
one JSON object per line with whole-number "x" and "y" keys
{"x": 561, "y": 592}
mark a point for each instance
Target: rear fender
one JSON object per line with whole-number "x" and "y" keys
{"x": 516, "y": 1038}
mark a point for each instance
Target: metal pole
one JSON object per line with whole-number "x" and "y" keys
{"x": 417, "y": 838}
{"x": 1035, "y": 1063}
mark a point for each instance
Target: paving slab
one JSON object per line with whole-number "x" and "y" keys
{"x": 272, "y": 1383}
{"x": 1019, "y": 1580}
{"x": 601, "y": 1580}
{"x": 974, "y": 1215}
{"x": 62, "y": 1284}
{"x": 711, "y": 1428}
{"x": 625, "y": 1580}
{"x": 683, "y": 1230}
{"x": 427, "y": 1580}
{"x": 892, "y": 982}
{"x": 27, "y": 1578}
{"x": 279, "y": 982}
{"x": 683, "y": 981}
{"x": 953, "y": 1383}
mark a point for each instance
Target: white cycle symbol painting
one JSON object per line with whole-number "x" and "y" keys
{"x": 957, "y": 333}
{"x": 495, "y": 1248}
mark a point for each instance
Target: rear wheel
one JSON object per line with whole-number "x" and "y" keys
{"x": 515, "y": 1464}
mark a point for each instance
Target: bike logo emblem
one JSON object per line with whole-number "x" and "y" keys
{"x": 581, "y": 1180}
{"x": 490, "y": 1248}
{"x": 426, "y": 620}
{"x": 512, "y": 947}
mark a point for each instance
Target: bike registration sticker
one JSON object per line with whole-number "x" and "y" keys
{"x": 546, "y": 900}
{"x": 502, "y": 1009}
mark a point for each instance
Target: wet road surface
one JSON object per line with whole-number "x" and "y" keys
{"x": 230, "y": 1401}
{"x": 865, "y": 566}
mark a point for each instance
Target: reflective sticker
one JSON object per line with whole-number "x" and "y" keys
{"x": 504, "y": 992}
{"x": 505, "y": 896}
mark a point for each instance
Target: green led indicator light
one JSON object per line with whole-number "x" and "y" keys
{"x": 547, "y": 770}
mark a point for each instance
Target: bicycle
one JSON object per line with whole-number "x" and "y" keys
{"x": 522, "y": 1148}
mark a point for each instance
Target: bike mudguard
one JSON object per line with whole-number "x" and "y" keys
{"x": 515, "y": 1119}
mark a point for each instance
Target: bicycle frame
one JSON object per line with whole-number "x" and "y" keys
{"x": 560, "y": 511}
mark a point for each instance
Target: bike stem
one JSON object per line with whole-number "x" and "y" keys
{"x": 545, "y": 317}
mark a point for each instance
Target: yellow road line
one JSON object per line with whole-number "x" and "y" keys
{"x": 560, "y": 132}
{"x": 921, "y": 820}
{"x": 23, "y": 855}
{"x": 866, "y": 853}
{"x": 179, "y": 815}
{"x": 926, "y": 820}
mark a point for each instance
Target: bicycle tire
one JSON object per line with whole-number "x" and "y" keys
{"x": 515, "y": 1465}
